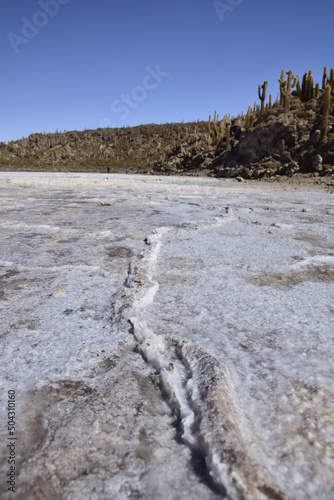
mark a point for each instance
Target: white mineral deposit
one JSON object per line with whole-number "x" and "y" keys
{"x": 166, "y": 338}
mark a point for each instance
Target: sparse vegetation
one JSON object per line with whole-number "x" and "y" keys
{"x": 303, "y": 114}
{"x": 280, "y": 138}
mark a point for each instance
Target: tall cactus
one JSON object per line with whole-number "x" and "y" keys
{"x": 299, "y": 90}
{"x": 325, "y": 112}
{"x": 286, "y": 97}
{"x": 280, "y": 81}
{"x": 286, "y": 87}
{"x": 262, "y": 96}
{"x": 306, "y": 93}
{"x": 310, "y": 84}
{"x": 316, "y": 90}
{"x": 228, "y": 135}
{"x": 292, "y": 81}
{"x": 212, "y": 128}
{"x": 222, "y": 129}
{"x": 289, "y": 81}
{"x": 249, "y": 117}
{"x": 324, "y": 78}
{"x": 330, "y": 80}
{"x": 303, "y": 93}
{"x": 295, "y": 82}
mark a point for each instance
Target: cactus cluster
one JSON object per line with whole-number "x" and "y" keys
{"x": 286, "y": 87}
{"x": 306, "y": 92}
{"x": 213, "y": 129}
{"x": 330, "y": 80}
{"x": 219, "y": 130}
{"x": 249, "y": 118}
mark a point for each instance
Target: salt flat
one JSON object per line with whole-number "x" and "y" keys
{"x": 167, "y": 337}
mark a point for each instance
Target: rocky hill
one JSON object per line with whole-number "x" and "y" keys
{"x": 295, "y": 134}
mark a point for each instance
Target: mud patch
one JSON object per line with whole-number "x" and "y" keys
{"x": 119, "y": 252}
{"x": 314, "y": 240}
{"x": 68, "y": 240}
{"x": 315, "y": 274}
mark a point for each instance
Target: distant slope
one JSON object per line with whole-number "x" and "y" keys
{"x": 293, "y": 135}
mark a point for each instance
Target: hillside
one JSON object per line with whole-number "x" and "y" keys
{"x": 294, "y": 134}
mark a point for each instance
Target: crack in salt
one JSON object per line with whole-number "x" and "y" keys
{"x": 199, "y": 391}
{"x": 176, "y": 383}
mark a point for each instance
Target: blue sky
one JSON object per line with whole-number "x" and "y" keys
{"x": 76, "y": 64}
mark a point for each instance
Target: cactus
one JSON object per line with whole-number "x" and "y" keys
{"x": 281, "y": 80}
{"x": 214, "y": 133}
{"x": 330, "y": 80}
{"x": 222, "y": 128}
{"x": 277, "y": 101}
{"x": 212, "y": 129}
{"x": 249, "y": 118}
{"x": 228, "y": 133}
{"x": 270, "y": 101}
{"x": 289, "y": 81}
{"x": 295, "y": 82}
{"x": 306, "y": 93}
{"x": 324, "y": 78}
{"x": 217, "y": 130}
{"x": 316, "y": 90}
{"x": 262, "y": 96}
{"x": 285, "y": 87}
{"x": 299, "y": 90}
{"x": 292, "y": 81}
{"x": 325, "y": 112}
{"x": 286, "y": 97}
{"x": 310, "y": 86}
{"x": 303, "y": 95}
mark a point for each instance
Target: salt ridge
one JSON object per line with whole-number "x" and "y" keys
{"x": 198, "y": 388}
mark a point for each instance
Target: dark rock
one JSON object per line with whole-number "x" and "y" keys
{"x": 315, "y": 137}
{"x": 317, "y": 163}
{"x": 197, "y": 160}
{"x": 157, "y": 166}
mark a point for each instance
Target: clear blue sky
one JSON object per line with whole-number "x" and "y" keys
{"x": 75, "y": 64}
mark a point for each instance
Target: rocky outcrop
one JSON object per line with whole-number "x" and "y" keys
{"x": 278, "y": 144}
{"x": 272, "y": 143}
